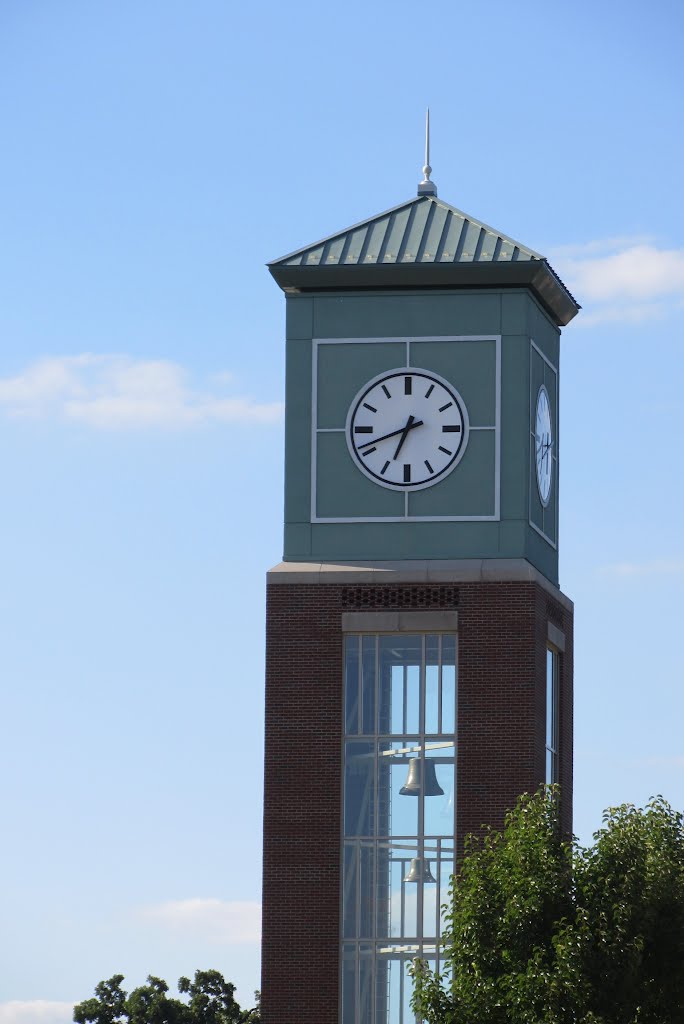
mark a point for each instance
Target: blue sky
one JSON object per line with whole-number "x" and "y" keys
{"x": 155, "y": 154}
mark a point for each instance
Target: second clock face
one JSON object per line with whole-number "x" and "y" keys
{"x": 543, "y": 445}
{"x": 407, "y": 429}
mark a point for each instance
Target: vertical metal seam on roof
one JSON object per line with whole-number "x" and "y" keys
{"x": 386, "y": 237}
{"x": 426, "y": 231}
{"x": 364, "y": 245}
{"x": 407, "y": 232}
{"x": 345, "y": 248}
{"x": 461, "y": 242}
{"x": 478, "y": 245}
{"x": 443, "y": 237}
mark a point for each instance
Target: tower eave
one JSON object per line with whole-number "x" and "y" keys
{"x": 537, "y": 275}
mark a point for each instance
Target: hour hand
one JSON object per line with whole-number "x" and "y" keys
{"x": 404, "y": 434}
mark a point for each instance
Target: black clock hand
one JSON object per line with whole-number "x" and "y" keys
{"x": 366, "y": 444}
{"x": 404, "y": 434}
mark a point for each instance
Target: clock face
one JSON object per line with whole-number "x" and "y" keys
{"x": 407, "y": 429}
{"x": 543, "y": 445}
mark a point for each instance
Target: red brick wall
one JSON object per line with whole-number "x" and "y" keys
{"x": 500, "y": 749}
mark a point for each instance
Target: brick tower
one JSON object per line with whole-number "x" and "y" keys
{"x": 419, "y": 650}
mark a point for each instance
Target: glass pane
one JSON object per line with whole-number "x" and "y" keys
{"x": 432, "y": 684}
{"x": 396, "y": 896}
{"x": 365, "y": 1008}
{"x": 349, "y": 985}
{"x": 393, "y": 776}
{"x": 394, "y": 986}
{"x": 359, "y": 810}
{"x": 439, "y": 807}
{"x": 351, "y": 684}
{"x": 430, "y": 901}
{"x": 396, "y": 685}
{"x": 388, "y": 914}
{"x": 549, "y": 768}
{"x": 446, "y": 871}
{"x": 549, "y": 698}
{"x": 349, "y": 892}
{"x": 413, "y": 698}
{"x": 399, "y": 666}
{"x": 448, "y": 684}
{"x": 368, "y": 685}
{"x": 365, "y": 892}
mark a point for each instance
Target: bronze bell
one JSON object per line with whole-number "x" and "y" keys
{"x": 419, "y": 871}
{"x": 417, "y": 782}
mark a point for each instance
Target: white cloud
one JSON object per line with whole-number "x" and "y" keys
{"x": 119, "y": 392}
{"x": 631, "y": 570}
{"x": 35, "y": 1011}
{"x": 222, "y": 921}
{"x": 631, "y": 280}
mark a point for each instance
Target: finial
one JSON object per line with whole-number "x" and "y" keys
{"x": 427, "y": 187}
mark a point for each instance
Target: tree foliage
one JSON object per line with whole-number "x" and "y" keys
{"x": 543, "y": 931}
{"x": 210, "y": 1000}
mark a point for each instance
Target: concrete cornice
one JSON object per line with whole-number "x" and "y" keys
{"x": 466, "y": 570}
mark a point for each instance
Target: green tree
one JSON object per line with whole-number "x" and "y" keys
{"x": 541, "y": 931}
{"x": 630, "y": 884}
{"x": 211, "y": 1001}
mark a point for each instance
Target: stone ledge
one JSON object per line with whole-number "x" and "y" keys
{"x": 465, "y": 570}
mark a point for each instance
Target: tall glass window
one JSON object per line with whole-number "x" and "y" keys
{"x": 399, "y": 815}
{"x": 552, "y": 715}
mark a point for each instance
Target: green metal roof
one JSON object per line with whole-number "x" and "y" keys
{"x": 423, "y": 230}
{"x": 424, "y": 242}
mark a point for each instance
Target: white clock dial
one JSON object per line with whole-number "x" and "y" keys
{"x": 543, "y": 445}
{"x": 407, "y": 429}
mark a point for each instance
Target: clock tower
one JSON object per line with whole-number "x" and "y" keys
{"x": 419, "y": 649}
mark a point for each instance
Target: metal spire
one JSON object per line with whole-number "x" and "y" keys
{"x": 427, "y": 187}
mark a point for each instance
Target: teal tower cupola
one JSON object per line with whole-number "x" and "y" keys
{"x": 422, "y": 391}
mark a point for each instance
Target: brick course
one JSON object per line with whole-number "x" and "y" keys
{"x": 502, "y": 639}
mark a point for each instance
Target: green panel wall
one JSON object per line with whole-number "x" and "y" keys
{"x": 321, "y": 332}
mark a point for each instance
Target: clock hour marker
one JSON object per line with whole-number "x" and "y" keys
{"x": 407, "y": 472}
{"x": 408, "y": 384}
{"x": 363, "y": 430}
{"x": 387, "y": 394}
{"x": 429, "y": 390}
{"x": 429, "y": 467}
{"x": 384, "y": 468}
{"x": 445, "y": 450}
{"x": 443, "y": 407}
{"x": 451, "y": 429}
{"x": 370, "y": 407}
{"x": 370, "y": 450}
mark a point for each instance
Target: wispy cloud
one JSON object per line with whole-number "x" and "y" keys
{"x": 114, "y": 392}
{"x": 665, "y": 761}
{"x": 632, "y": 570}
{"x": 35, "y": 1011}
{"x": 225, "y": 922}
{"x": 622, "y": 279}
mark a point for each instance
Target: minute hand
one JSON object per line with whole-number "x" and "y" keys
{"x": 366, "y": 444}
